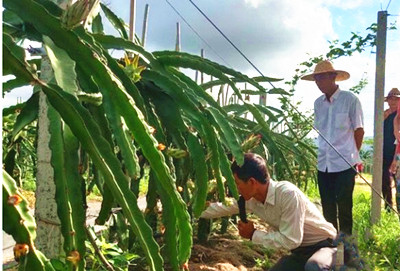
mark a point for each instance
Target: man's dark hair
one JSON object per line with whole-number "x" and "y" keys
{"x": 253, "y": 166}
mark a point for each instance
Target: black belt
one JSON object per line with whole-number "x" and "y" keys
{"x": 328, "y": 242}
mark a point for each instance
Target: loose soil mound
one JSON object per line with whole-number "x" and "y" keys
{"x": 229, "y": 252}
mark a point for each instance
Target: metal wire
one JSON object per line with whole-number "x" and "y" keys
{"x": 388, "y": 5}
{"x": 222, "y": 33}
{"x": 200, "y": 37}
{"x": 293, "y": 107}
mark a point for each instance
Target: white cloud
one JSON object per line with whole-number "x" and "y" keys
{"x": 343, "y": 4}
{"x": 347, "y": 4}
{"x": 275, "y": 35}
{"x": 253, "y": 3}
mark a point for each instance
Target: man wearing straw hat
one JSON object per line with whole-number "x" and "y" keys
{"x": 339, "y": 120}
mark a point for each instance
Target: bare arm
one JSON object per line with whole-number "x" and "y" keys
{"x": 358, "y": 136}
{"x": 396, "y": 133}
{"x": 396, "y": 127}
{"x": 386, "y": 113}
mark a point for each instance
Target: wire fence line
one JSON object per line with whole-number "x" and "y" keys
{"x": 290, "y": 104}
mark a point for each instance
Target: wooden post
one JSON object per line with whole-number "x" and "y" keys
{"x": 132, "y": 20}
{"x": 247, "y": 98}
{"x": 145, "y": 19}
{"x": 263, "y": 102}
{"x": 196, "y": 76}
{"x": 226, "y": 94}
{"x": 202, "y": 75}
{"x": 378, "y": 123}
{"x": 178, "y": 38}
{"x": 263, "y": 99}
{"x": 220, "y": 99}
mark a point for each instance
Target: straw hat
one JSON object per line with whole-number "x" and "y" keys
{"x": 394, "y": 92}
{"x": 326, "y": 66}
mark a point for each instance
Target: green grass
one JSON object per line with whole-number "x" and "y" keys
{"x": 144, "y": 183}
{"x": 28, "y": 182}
{"x": 95, "y": 195}
{"x": 312, "y": 191}
{"x": 379, "y": 244}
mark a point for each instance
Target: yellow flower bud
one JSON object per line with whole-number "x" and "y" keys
{"x": 161, "y": 147}
{"x": 74, "y": 257}
{"x": 20, "y": 250}
{"x": 14, "y": 200}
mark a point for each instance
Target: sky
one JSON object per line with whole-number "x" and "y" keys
{"x": 275, "y": 35}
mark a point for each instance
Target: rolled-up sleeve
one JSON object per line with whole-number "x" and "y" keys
{"x": 291, "y": 228}
{"x": 218, "y": 209}
{"x": 356, "y": 114}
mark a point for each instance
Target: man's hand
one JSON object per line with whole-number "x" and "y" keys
{"x": 246, "y": 230}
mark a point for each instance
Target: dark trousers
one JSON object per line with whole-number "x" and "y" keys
{"x": 336, "y": 191}
{"x": 386, "y": 189}
{"x": 321, "y": 256}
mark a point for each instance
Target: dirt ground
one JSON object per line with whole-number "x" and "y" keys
{"x": 229, "y": 252}
{"x": 222, "y": 252}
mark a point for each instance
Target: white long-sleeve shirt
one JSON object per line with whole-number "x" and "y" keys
{"x": 296, "y": 220}
{"x": 337, "y": 120}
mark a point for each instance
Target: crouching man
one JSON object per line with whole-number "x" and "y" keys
{"x": 299, "y": 225}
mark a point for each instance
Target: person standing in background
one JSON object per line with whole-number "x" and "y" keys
{"x": 339, "y": 120}
{"x": 395, "y": 168}
{"x": 389, "y": 145}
